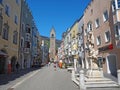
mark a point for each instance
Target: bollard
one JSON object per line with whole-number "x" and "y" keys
{"x": 118, "y": 72}
{"x": 82, "y": 80}
{"x": 73, "y": 74}
{"x": 101, "y": 72}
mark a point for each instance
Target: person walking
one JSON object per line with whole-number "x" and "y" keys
{"x": 55, "y": 66}
{"x": 49, "y": 64}
{"x": 17, "y": 66}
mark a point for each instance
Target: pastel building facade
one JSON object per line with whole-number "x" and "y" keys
{"x": 9, "y": 34}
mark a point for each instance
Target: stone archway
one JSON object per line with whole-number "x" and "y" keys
{"x": 13, "y": 63}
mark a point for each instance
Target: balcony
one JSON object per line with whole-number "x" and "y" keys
{"x": 27, "y": 37}
{"x": 69, "y": 46}
{"x": 27, "y": 44}
{"x": 80, "y": 42}
{"x": 117, "y": 37}
{"x": 28, "y": 30}
{"x": 73, "y": 52}
{"x": 27, "y": 50}
{"x": 81, "y": 54}
{"x": 118, "y": 15}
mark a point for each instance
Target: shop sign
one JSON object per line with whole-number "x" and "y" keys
{"x": 105, "y": 48}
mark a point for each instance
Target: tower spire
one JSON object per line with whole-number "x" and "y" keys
{"x": 52, "y": 44}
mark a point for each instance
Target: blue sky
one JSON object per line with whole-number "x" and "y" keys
{"x": 58, "y": 13}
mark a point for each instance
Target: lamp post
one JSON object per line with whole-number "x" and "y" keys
{"x": 42, "y": 51}
{"x": 75, "y": 59}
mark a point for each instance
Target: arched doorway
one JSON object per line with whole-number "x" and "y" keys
{"x": 3, "y": 57}
{"x": 13, "y": 63}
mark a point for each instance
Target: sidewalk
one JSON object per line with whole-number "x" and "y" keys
{"x": 6, "y": 78}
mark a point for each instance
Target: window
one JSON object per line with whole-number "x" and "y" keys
{"x": 16, "y": 19}
{"x": 118, "y": 2}
{"x": 67, "y": 39}
{"x": 7, "y": 10}
{"x": 27, "y": 44}
{"x": 113, "y": 6}
{"x": 97, "y": 23}
{"x": 28, "y": 30}
{"x": 105, "y": 16}
{"x": 117, "y": 32}
{"x": 5, "y": 31}
{"x": 22, "y": 42}
{"x": 73, "y": 34}
{"x": 26, "y": 15}
{"x": 89, "y": 27}
{"x": 27, "y": 37}
{"x": 15, "y": 37}
{"x": 107, "y": 36}
{"x": 1, "y": 22}
{"x": 91, "y": 11}
{"x": 85, "y": 32}
{"x": 23, "y": 28}
{"x": 1, "y": 1}
{"x": 18, "y": 1}
{"x": 70, "y": 36}
{"x": 98, "y": 40}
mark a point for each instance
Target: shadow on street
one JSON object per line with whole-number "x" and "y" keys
{"x": 6, "y": 78}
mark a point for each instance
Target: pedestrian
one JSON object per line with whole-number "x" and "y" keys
{"x": 55, "y": 66}
{"x": 17, "y": 66}
{"x": 49, "y": 64}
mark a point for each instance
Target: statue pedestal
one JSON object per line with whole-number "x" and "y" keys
{"x": 94, "y": 71}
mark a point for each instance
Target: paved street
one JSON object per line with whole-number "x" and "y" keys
{"x": 45, "y": 78}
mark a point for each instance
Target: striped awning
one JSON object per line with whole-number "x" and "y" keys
{"x": 3, "y": 54}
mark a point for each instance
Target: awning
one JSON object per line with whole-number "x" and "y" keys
{"x": 3, "y": 54}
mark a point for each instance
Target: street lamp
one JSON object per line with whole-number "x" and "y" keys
{"x": 74, "y": 57}
{"x": 42, "y": 51}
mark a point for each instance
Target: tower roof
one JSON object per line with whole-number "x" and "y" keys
{"x": 52, "y": 29}
{"x": 52, "y": 32}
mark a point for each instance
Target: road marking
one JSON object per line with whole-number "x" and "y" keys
{"x": 17, "y": 84}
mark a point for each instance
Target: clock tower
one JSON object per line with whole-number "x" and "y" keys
{"x": 52, "y": 49}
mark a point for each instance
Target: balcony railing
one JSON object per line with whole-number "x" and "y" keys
{"x": 81, "y": 54}
{"x": 27, "y": 37}
{"x": 26, "y": 50}
{"x": 74, "y": 52}
{"x": 117, "y": 37}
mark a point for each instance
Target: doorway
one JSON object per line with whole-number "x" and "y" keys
{"x": 13, "y": 63}
{"x": 111, "y": 65}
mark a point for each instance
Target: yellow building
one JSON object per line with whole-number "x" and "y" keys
{"x": 74, "y": 42}
{"x": 74, "y": 31}
{"x": 9, "y": 34}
